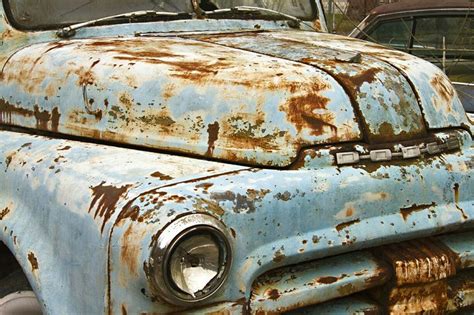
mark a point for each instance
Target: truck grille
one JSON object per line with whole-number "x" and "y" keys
{"x": 420, "y": 276}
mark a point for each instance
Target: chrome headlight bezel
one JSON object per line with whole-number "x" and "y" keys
{"x": 175, "y": 233}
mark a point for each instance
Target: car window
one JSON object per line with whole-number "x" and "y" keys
{"x": 301, "y": 8}
{"x": 447, "y": 41}
{"x": 45, "y": 14}
{"x": 395, "y": 33}
{"x": 466, "y": 94}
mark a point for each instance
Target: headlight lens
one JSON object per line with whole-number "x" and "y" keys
{"x": 192, "y": 259}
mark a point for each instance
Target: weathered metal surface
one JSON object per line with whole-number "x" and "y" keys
{"x": 461, "y": 293}
{"x": 382, "y": 96}
{"x": 429, "y": 275}
{"x": 182, "y": 94}
{"x": 82, "y": 218}
{"x": 461, "y": 245}
{"x": 344, "y": 306}
{"x": 440, "y": 104}
{"x": 176, "y": 94}
{"x": 254, "y": 205}
{"x": 68, "y": 195}
{"x": 438, "y": 297}
{"x": 420, "y": 261}
{"x": 236, "y": 308}
{"x": 327, "y": 155}
{"x": 313, "y": 283}
{"x": 431, "y": 298}
{"x": 41, "y": 174}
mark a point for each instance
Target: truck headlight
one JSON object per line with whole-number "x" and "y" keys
{"x": 191, "y": 259}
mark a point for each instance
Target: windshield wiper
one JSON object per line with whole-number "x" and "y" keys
{"x": 251, "y": 9}
{"x": 70, "y": 30}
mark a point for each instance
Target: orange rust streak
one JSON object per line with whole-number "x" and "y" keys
{"x": 3, "y": 213}
{"x": 406, "y": 212}
{"x": 443, "y": 88}
{"x": 105, "y": 199}
{"x": 301, "y": 109}
{"x": 213, "y": 131}
{"x": 130, "y": 248}
{"x": 342, "y": 226}
{"x": 161, "y": 176}
{"x": 33, "y": 261}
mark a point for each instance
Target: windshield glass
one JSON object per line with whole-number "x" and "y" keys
{"x": 44, "y": 14}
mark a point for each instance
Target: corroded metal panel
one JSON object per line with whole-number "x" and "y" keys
{"x": 380, "y": 93}
{"x": 332, "y": 211}
{"x": 420, "y": 261}
{"x": 438, "y": 100}
{"x": 177, "y": 94}
{"x": 68, "y": 195}
{"x": 309, "y": 284}
{"x": 104, "y": 187}
{"x": 461, "y": 245}
{"x": 461, "y": 293}
{"x": 82, "y": 218}
{"x": 345, "y": 306}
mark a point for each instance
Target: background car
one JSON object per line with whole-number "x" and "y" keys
{"x": 441, "y": 32}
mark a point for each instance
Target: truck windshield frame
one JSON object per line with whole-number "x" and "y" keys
{"x": 50, "y": 14}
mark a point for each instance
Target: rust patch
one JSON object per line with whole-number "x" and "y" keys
{"x": 43, "y": 118}
{"x": 355, "y": 82}
{"x": 124, "y": 310}
{"x": 7, "y": 110}
{"x": 279, "y": 255}
{"x": 105, "y": 199}
{"x": 242, "y": 203}
{"x": 342, "y": 226}
{"x": 272, "y": 294}
{"x": 9, "y": 159}
{"x": 65, "y": 148}
{"x": 130, "y": 249}
{"x": 213, "y": 131}
{"x": 286, "y": 196}
{"x": 85, "y": 77}
{"x": 3, "y": 213}
{"x": 33, "y": 261}
{"x": 406, "y": 212}
{"x": 129, "y": 212}
{"x": 55, "y": 115}
{"x": 160, "y": 51}
{"x": 419, "y": 261}
{"x": 316, "y": 239}
{"x": 456, "y": 201}
{"x": 346, "y": 289}
{"x": 161, "y": 176}
{"x": 327, "y": 280}
{"x": 430, "y": 298}
{"x": 207, "y": 205}
{"x": 308, "y": 111}
{"x": 205, "y": 186}
{"x": 443, "y": 88}
{"x": 456, "y": 193}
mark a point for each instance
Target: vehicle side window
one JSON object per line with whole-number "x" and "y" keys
{"x": 448, "y": 41}
{"x": 395, "y": 33}
{"x": 457, "y": 31}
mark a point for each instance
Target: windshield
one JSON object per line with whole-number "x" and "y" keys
{"x": 45, "y": 14}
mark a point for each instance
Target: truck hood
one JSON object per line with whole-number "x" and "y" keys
{"x": 253, "y": 97}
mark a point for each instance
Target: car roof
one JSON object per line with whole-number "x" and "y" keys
{"x": 411, "y": 5}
